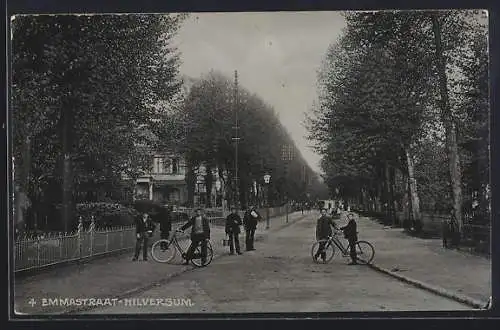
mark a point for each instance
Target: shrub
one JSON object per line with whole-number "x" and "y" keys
{"x": 106, "y": 214}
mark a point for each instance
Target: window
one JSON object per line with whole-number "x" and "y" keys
{"x": 158, "y": 165}
{"x": 175, "y": 166}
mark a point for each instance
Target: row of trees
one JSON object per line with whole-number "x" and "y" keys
{"x": 402, "y": 122}
{"x": 209, "y": 119}
{"x": 89, "y": 93}
{"x": 83, "y": 89}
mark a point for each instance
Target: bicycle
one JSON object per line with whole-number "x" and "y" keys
{"x": 164, "y": 250}
{"x": 364, "y": 250}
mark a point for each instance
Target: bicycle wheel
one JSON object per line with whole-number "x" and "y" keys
{"x": 163, "y": 251}
{"x": 329, "y": 251}
{"x": 365, "y": 252}
{"x": 196, "y": 260}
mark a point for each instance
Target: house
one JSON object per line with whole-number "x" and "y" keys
{"x": 166, "y": 182}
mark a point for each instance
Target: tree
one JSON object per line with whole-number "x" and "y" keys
{"x": 90, "y": 82}
{"x": 378, "y": 104}
{"x": 209, "y": 110}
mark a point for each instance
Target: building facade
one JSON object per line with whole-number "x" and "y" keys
{"x": 166, "y": 182}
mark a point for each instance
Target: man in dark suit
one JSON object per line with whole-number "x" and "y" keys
{"x": 200, "y": 233}
{"x": 323, "y": 231}
{"x": 144, "y": 228}
{"x": 351, "y": 233}
{"x": 250, "y": 220}
{"x": 165, "y": 220}
{"x": 233, "y": 223}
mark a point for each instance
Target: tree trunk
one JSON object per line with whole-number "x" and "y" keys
{"x": 21, "y": 180}
{"x": 387, "y": 192}
{"x": 378, "y": 204}
{"x": 191, "y": 182}
{"x": 412, "y": 185}
{"x": 67, "y": 175}
{"x": 208, "y": 185}
{"x": 449, "y": 124}
{"x": 393, "y": 202}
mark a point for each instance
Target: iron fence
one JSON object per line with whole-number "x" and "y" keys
{"x": 38, "y": 250}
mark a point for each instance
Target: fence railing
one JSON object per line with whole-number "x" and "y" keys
{"x": 477, "y": 236}
{"x": 34, "y": 251}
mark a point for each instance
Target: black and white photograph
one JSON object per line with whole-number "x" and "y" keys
{"x": 249, "y": 162}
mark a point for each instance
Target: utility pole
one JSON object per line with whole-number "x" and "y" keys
{"x": 236, "y": 139}
{"x": 287, "y": 156}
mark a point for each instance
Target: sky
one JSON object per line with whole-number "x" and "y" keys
{"x": 277, "y": 55}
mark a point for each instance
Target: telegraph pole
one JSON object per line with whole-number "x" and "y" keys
{"x": 236, "y": 139}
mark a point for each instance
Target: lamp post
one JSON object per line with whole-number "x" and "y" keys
{"x": 267, "y": 179}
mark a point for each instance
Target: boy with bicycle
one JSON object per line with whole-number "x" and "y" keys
{"x": 351, "y": 234}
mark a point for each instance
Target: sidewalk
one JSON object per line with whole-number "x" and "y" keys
{"x": 425, "y": 263}
{"x": 116, "y": 276}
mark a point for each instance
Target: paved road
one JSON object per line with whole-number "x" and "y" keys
{"x": 281, "y": 277}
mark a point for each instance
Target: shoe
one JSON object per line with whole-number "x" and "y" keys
{"x": 186, "y": 262}
{"x": 145, "y": 259}
{"x": 134, "y": 259}
{"x": 253, "y": 249}
{"x": 231, "y": 253}
{"x": 352, "y": 263}
{"x": 240, "y": 253}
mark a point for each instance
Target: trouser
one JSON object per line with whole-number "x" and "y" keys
{"x": 249, "y": 238}
{"x": 142, "y": 242}
{"x": 352, "y": 249}
{"x": 195, "y": 242}
{"x": 321, "y": 250}
{"x": 164, "y": 235}
{"x": 234, "y": 240}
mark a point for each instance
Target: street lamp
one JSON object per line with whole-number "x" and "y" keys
{"x": 267, "y": 179}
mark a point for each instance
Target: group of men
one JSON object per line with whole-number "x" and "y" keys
{"x": 200, "y": 231}
{"x": 233, "y": 222}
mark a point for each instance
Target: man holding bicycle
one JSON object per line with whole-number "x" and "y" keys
{"x": 200, "y": 233}
{"x": 323, "y": 231}
{"x": 351, "y": 234}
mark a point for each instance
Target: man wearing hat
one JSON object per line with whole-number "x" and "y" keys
{"x": 250, "y": 220}
{"x": 233, "y": 223}
{"x": 200, "y": 233}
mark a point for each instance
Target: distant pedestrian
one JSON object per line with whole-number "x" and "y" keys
{"x": 250, "y": 220}
{"x": 351, "y": 234}
{"x": 200, "y": 233}
{"x": 323, "y": 231}
{"x": 233, "y": 223}
{"x": 144, "y": 228}
{"x": 302, "y": 207}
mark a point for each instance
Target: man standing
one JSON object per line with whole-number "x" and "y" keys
{"x": 233, "y": 223}
{"x": 250, "y": 220}
{"x": 144, "y": 228}
{"x": 165, "y": 221}
{"x": 351, "y": 233}
{"x": 200, "y": 233}
{"x": 323, "y": 231}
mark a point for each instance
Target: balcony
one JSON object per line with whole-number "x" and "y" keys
{"x": 167, "y": 176}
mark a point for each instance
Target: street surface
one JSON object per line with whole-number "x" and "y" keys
{"x": 281, "y": 277}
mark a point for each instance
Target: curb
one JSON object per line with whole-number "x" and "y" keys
{"x": 433, "y": 289}
{"x": 169, "y": 277}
